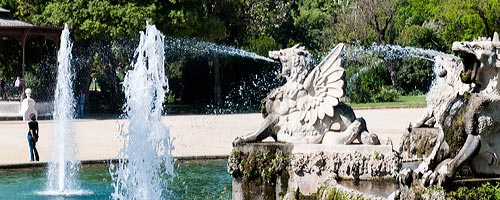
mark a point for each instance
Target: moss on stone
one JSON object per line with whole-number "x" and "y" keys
{"x": 377, "y": 155}
{"x": 466, "y": 77}
{"x": 335, "y": 194}
{"x": 260, "y": 169}
{"x": 455, "y": 134}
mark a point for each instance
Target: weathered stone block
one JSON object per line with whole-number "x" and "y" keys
{"x": 271, "y": 170}
{"x": 418, "y": 144}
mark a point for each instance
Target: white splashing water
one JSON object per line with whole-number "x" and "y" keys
{"x": 64, "y": 166}
{"x": 184, "y": 45}
{"x": 390, "y": 52}
{"x": 146, "y": 158}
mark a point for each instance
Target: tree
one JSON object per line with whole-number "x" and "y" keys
{"x": 271, "y": 18}
{"x": 194, "y": 19}
{"x": 94, "y": 24}
{"x": 312, "y": 22}
{"x": 97, "y": 19}
{"x": 368, "y": 18}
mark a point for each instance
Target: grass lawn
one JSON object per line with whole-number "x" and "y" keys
{"x": 402, "y": 102}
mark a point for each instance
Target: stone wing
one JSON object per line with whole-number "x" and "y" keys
{"x": 325, "y": 86}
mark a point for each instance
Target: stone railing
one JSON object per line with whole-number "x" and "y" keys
{"x": 10, "y": 110}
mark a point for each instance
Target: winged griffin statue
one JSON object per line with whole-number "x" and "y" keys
{"x": 308, "y": 107}
{"x": 469, "y": 127}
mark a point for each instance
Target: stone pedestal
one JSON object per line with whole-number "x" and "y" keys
{"x": 273, "y": 170}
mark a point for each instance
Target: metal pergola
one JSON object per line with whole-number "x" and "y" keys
{"x": 22, "y": 32}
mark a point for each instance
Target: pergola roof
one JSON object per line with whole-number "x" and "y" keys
{"x": 22, "y": 31}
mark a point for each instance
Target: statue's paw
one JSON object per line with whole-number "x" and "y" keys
{"x": 369, "y": 138}
{"x": 407, "y": 176}
{"x": 237, "y": 141}
{"x": 438, "y": 177}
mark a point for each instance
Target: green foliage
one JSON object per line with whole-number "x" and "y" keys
{"x": 97, "y": 19}
{"x": 368, "y": 80}
{"x": 336, "y": 194}
{"x": 261, "y": 45}
{"x": 401, "y": 102}
{"x": 191, "y": 19}
{"x": 414, "y": 75}
{"x": 42, "y": 80}
{"x": 271, "y": 17}
{"x": 40, "y": 66}
{"x": 260, "y": 26}
{"x": 418, "y": 36}
{"x": 10, "y": 59}
{"x": 368, "y": 21}
{"x": 485, "y": 191}
{"x": 312, "y": 22}
{"x": 387, "y": 93}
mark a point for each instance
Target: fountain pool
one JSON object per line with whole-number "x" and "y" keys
{"x": 194, "y": 180}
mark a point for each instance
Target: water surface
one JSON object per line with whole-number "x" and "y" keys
{"x": 194, "y": 180}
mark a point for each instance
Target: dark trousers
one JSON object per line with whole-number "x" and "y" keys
{"x": 33, "y": 151}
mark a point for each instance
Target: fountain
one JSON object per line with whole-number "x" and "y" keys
{"x": 317, "y": 136}
{"x": 455, "y": 137}
{"x": 144, "y": 169}
{"x": 64, "y": 165}
{"x": 146, "y": 158}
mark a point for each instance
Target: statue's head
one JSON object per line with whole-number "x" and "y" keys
{"x": 296, "y": 62}
{"x": 478, "y": 54}
{"x": 28, "y": 92}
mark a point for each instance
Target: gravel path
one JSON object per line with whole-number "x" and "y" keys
{"x": 195, "y": 135}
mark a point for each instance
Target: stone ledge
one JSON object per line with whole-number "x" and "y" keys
{"x": 306, "y": 166}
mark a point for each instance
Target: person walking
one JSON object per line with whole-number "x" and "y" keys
{"x": 33, "y": 137}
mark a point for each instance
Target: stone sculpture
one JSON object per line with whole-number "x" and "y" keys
{"x": 469, "y": 131}
{"x": 480, "y": 64}
{"x": 28, "y": 106}
{"x": 439, "y": 95}
{"x": 308, "y": 107}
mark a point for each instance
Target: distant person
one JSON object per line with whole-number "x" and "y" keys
{"x": 2, "y": 90}
{"x": 33, "y": 137}
{"x": 19, "y": 83}
{"x": 81, "y": 104}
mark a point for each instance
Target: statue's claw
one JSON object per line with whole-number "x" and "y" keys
{"x": 439, "y": 177}
{"x": 237, "y": 141}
